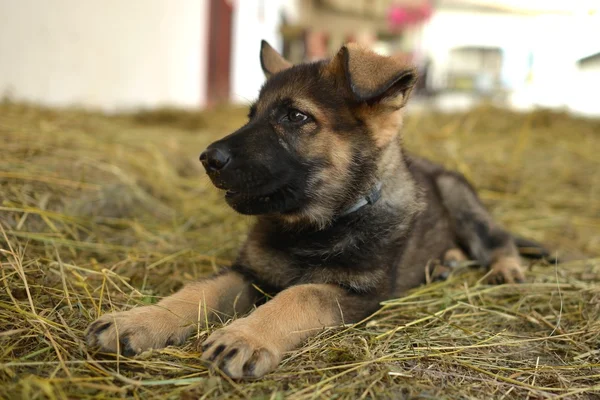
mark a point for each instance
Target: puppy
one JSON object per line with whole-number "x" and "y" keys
{"x": 345, "y": 217}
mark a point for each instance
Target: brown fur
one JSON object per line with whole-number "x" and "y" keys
{"x": 325, "y": 264}
{"x": 271, "y": 61}
{"x": 254, "y": 345}
{"x": 359, "y": 64}
{"x": 174, "y": 318}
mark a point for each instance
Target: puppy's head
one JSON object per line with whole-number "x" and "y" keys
{"x": 313, "y": 138}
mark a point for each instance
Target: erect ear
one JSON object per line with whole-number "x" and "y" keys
{"x": 372, "y": 77}
{"x": 271, "y": 61}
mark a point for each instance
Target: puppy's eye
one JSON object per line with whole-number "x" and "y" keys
{"x": 295, "y": 116}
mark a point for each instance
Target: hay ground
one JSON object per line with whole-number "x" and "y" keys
{"x": 103, "y": 213}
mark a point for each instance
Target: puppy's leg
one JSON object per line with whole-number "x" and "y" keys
{"x": 487, "y": 242}
{"x": 174, "y": 318}
{"x": 253, "y": 346}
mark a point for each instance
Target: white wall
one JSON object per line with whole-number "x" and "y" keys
{"x": 586, "y": 85}
{"x": 586, "y": 88}
{"x": 104, "y": 54}
{"x": 448, "y": 29}
{"x": 555, "y": 41}
{"x": 254, "y": 20}
{"x": 556, "y": 81}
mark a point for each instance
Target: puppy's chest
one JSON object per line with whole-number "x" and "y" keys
{"x": 353, "y": 258}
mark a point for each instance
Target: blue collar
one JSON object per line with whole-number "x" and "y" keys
{"x": 371, "y": 198}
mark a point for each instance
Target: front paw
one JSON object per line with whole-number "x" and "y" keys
{"x": 134, "y": 331}
{"x": 240, "y": 351}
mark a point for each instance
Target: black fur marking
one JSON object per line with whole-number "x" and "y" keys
{"x": 491, "y": 238}
{"x": 125, "y": 346}
{"x": 531, "y": 249}
{"x": 250, "y": 365}
{"x": 172, "y": 341}
{"x": 262, "y": 176}
{"x": 96, "y": 330}
{"x": 230, "y": 355}
{"x": 348, "y": 244}
{"x": 217, "y": 351}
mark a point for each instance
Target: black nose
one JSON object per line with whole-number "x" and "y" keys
{"x": 214, "y": 159}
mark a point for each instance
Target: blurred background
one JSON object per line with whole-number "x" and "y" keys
{"x": 123, "y": 55}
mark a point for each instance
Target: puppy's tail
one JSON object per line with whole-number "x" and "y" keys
{"x": 531, "y": 249}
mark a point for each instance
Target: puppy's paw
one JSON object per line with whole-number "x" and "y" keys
{"x": 240, "y": 352}
{"x": 437, "y": 272}
{"x": 451, "y": 261}
{"x": 134, "y": 331}
{"x": 505, "y": 270}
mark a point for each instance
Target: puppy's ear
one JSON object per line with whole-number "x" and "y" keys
{"x": 271, "y": 61}
{"x": 372, "y": 77}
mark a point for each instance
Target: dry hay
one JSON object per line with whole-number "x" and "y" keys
{"x": 104, "y": 213}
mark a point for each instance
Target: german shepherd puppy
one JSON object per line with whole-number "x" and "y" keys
{"x": 345, "y": 217}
